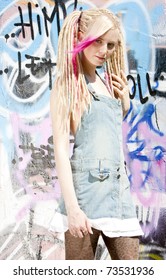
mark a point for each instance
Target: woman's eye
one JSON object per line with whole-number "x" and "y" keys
{"x": 110, "y": 46}
{"x": 98, "y": 41}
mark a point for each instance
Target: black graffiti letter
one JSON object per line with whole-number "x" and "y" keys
{"x": 129, "y": 77}
{"x": 49, "y": 64}
{"x": 32, "y": 65}
{"x": 143, "y": 100}
{"x": 152, "y": 92}
{"x": 55, "y": 11}
{"x": 20, "y": 79}
{"x": 22, "y": 24}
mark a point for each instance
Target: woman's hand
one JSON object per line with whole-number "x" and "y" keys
{"x": 120, "y": 85}
{"x": 79, "y": 225}
{"x": 121, "y": 90}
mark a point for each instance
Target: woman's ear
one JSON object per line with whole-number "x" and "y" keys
{"x": 80, "y": 36}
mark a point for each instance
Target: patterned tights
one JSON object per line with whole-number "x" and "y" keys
{"x": 119, "y": 248}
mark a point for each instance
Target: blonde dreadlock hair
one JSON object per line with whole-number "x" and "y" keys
{"x": 70, "y": 82}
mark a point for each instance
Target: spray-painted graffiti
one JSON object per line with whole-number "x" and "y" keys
{"x": 29, "y": 188}
{"x": 35, "y": 68}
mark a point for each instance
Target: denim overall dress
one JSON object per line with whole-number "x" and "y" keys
{"x": 100, "y": 180}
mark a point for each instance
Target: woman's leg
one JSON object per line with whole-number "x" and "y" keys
{"x": 122, "y": 248}
{"x": 81, "y": 248}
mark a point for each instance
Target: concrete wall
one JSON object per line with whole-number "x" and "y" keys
{"x": 29, "y": 189}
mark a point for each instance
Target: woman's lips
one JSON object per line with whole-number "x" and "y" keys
{"x": 100, "y": 58}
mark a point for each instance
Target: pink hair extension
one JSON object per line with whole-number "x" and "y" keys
{"x": 83, "y": 44}
{"x": 78, "y": 48}
{"x": 107, "y": 79}
{"x": 74, "y": 62}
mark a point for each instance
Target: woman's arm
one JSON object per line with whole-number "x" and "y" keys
{"x": 76, "y": 218}
{"x": 61, "y": 151}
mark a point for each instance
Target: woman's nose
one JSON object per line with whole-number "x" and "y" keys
{"x": 103, "y": 49}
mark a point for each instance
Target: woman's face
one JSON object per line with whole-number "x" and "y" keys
{"x": 101, "y": 49}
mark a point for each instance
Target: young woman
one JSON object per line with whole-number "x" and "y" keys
{"x": 96, "y": 198}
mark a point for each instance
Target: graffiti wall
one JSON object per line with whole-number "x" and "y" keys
{"x": 29, "y": 189}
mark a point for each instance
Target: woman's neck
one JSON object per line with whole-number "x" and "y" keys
{"x": 90, "y": 75}
{"x": 91, "y": 78}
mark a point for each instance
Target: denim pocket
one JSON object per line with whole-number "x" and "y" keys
{"x": 100, "y": 174}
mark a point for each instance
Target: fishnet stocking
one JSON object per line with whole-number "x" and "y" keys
{"x": 119, "y": 248}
